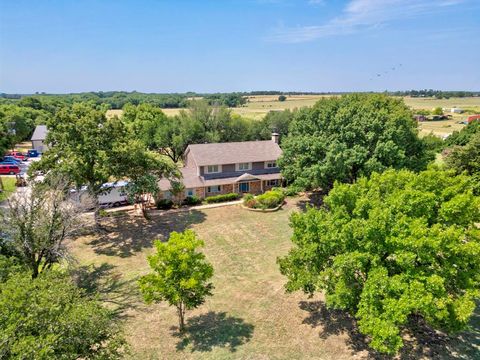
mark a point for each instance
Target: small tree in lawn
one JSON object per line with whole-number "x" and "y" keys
{"x": 180, "y": 274}
{"x": 177, "y": 188}
{"x": 141, "y": 191}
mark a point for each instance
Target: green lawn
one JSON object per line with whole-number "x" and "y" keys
{"x": 249, "y": 316}
{"x": 9, "y": 187}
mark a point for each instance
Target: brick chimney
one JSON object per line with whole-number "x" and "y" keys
{"x": 275, "y": 137}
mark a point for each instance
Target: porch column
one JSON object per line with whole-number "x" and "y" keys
{"x": 261, "y": 186}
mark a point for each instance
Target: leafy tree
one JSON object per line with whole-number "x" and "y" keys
{"x": 37, "y": 223}
{"x": 282, "y": 98}
{"x": 50, "y": 318}
{"x": 141, "y": 190}
{"x": 342, "y": 138}
{"x": 177, "y": 189}
{"x": 463, "y": 136}
{"x": 274, "y": 121}
{"x": 387, "y": 248}
{"x": 467, "y": 159}
{"x": 180, "y": 275}
{"x": 90, "y": 148}
{"x": 437, "y": 111}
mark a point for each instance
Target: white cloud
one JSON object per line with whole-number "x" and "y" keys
{"x": 361, "y": 14}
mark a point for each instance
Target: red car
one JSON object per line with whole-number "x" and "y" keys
{"x": 9, "y": 169}
{"x": 17, "y": 155}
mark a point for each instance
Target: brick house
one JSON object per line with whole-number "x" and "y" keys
{"x": 221, "y": 168}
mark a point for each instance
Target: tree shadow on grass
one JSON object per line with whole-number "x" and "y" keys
{"x": 108, "y": 285}
{"x": 420, "y": 341}
{"x": 214, "y": 329}
{"x": 129, "y": 235}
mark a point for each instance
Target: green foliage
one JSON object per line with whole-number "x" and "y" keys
{"x": 141, "y": 191}
{"x": 389, "y": 247}
{"x": 50, "y": 318}
{"x": 282, "y": 98}
{"x": 229, "y": 100}
{"x": 192, "y": 200}
{"x": 437, "y": 111}
{"x": 268, "y": 200}
{"x": 17, "y": 123}
{"x": 274, "y": 121}
{"x": 37, "y": 223}
{"x": 463, "y": 136}
{"x": 222, "y": 198}
{"x": 467, "y": 159}
{"x": 433, "y": 143}
{"x": 181, "y": 275}
{"x": 342, "y": 138}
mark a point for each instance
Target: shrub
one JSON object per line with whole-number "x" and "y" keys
{"x": 269, "y": 200}
{"x": 192, "y": 200}
{"x": 222, "y": 198}
{"x": 164, "y": 204}
{"x": 249, "y": 201}
{"x": 292, "y": 190}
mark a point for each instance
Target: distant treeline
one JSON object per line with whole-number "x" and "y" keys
{"x": 117, "y": 99}
{"x": 439, "y": 94}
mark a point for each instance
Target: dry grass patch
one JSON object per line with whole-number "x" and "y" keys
{"x": 249, "y": 316}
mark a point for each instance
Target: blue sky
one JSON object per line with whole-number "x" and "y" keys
{"x": 226, "y": 45}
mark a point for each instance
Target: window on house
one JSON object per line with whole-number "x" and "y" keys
{"x": 211, "y": 169}
{"x": 272, "y": 182}
{"x": 244, "y": 166}
{"x": 244, "y": 187}
{"x": 189, "y": 192}
{"x": 271, "y": 164}
{"x": 214, "y": 189}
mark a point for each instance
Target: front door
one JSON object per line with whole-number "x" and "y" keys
{"x": 244, "y": 187}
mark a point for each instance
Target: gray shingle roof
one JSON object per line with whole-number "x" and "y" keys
{"x": 40, "y": 133}
{"x": 234, "y": 152}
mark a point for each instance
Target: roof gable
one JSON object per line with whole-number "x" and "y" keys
{"x": 40, "y": 133}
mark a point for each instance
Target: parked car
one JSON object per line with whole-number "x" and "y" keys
{"x": 33, "y": 153}
{"x": 17, "y": 155}
{"x": 12, "y": 159}
{"x": 10, "y": 162}
{"x": 9, "y": 169}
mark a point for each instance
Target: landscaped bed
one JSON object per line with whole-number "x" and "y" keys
{"x": 270, "y": 201}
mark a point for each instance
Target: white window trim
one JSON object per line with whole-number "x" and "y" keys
{"x": 189, "y": 190}
{"x": 237, "y": 166}
{"x": 213, "y": 172}
{"x": 214, "y": 192}
{"x": 270, "y": 162}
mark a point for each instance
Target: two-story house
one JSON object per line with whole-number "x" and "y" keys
{"x": 221, "y": 168}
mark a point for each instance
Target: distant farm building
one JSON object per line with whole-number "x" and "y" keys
{"x": 472, "y": 118}
{"x": 456, "y": 110}
{"x": 38, "y": 138}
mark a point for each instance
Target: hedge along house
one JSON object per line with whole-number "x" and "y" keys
{"x": 234, "y": 167}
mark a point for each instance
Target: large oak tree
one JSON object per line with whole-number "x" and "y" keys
{"x": 341, "y": 138}
{"x": 389, "y": 248}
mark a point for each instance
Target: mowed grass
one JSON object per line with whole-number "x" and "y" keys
{"x": 8, "y": 187}
{"x": 249, "y": 316}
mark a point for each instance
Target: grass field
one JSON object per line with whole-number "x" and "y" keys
{"x": 249, "y": 316}
{"x": 8, "y": 187}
